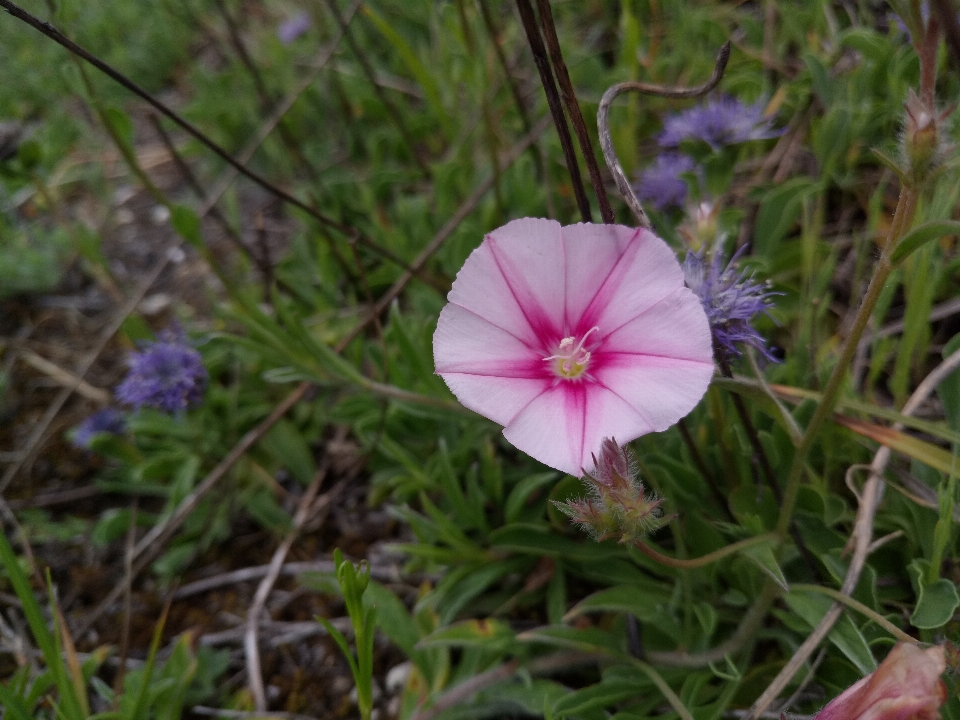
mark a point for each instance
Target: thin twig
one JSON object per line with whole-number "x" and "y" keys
{"x": 378, "y": 573}
{"x": 250, "y": 649}
{"x": 152, "y": 544}
{"x": 245, "y": 715}
{"x": 197, "y": 188}
{"x": 573, "y": 109}
{"x": 444, "y": 233}
{"x": 64, "y": 378}
{"x": 606, "y": 140}
{"x": 279, "y": 632}
{"x": 862, "y": 536}
{"x": 319, "y": 62}
{"x": 553, "y": 101}
{"x": 51, "y": 32}
{"x": 392, "y": 111}
{"x": 154, "y": 541}
{"x": 40, "y": 430}
{"x": 494, "y": 34}
{"x": 937, "y": 312}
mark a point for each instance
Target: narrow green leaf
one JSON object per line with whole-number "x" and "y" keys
{"x": 589, "y": 639}
{"x": 918, "y": 449}
{"x": 763, "y": 556}
{"x": 14, "y": 705}
{"x": 492, "y": 635}
{"x": 920, "y": 236}
{"x": 187, "y": 224}
{"x": 426, "y": 80}
{"x": 845, "y": 634}
{"x": 646, "y": 606}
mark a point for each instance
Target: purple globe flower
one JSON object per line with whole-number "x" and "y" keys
{"x": 110, "y": 421}
{"x": 722, "y": 121}
{"x": 731, "y": 299}
{"x": 167, "y": 375}
{"x": 661, "y": 184}
{"x": 290, "y": 30}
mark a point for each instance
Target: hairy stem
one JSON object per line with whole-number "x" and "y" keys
{"x": 703, "y": 559}
{"x": 902, "y": 218}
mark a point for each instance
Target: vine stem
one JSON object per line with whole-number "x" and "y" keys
{"x": 606, "y": 140}
{"x": 903, "y": 216}
{"x": 707, "y": 559}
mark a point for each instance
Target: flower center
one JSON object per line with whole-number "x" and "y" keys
{"x": 571, "y": 359}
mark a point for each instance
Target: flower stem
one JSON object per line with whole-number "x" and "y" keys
{"x": 902, "y": 218}
{"x": 703, "y": 559}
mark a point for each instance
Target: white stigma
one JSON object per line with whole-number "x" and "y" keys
{"x": 572, "y": 362}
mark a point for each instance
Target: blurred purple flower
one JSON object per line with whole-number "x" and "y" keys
{"x": 110, "y": 421}
{"x": 722, "y": 121}
{"x": 167, "y": 375}
{"x": 731, "y": 299}
{"x": 661, "y": 184}
{"x": 290, "y": 30}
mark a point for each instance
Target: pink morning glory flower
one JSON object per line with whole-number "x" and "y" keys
{"x": 568, "y": 335}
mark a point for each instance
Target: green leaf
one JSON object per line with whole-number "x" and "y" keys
{"x": 14, "y": 705}
{"x": 538, "y": 540}
{"x": 845, "y": 634}
{"x": 602, "y": 695}
{"x": 918, "y": 449}
{"x": 426, "y": 80}
{"x": 949, "y": 389}
{"x": 920, "y": 236}
{"x": 187, "y": 224}
{"x": 589, "y": 639}
{"x": 763, "y": 556}
{"x": 121, "y": 124}
{"x": 522, "y": 491}
{"x": 936, "y": 605}
{"x": 286, "y": 444}
{"x": 779, "y": 210}
{"x": 493, "y": 635}
{"x": 393, "y": 618}
{"x": 646, "y": 606}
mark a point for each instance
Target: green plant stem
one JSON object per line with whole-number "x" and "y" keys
{"x": 745, "y": 632}
{"x": 902, "y": 218}
{"x": 669, "y": 695}
{"x": 858, "y": 606}
{"x": 703, "y": 559}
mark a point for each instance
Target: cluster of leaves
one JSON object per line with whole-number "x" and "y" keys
{"x": 517, "y": 582}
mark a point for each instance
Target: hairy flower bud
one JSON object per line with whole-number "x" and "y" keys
{"x": 924, "y": 144}
{"x": 700, "y": 229}
{"x": 618, "y": 504}
{"x": 906, "y": 686}
{"x": 920, "y": 137}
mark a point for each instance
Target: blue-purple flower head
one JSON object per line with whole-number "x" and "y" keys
{"x": 661, "y": 184}
{"x": 731, "y": 299}
{"x": 290, "y": 30}
{"x": 109, "y": 421}
{"x": 167, "y": 375}
{"x": 722, "y": 121}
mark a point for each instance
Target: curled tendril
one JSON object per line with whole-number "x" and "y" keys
{"x": 603, "y": 124}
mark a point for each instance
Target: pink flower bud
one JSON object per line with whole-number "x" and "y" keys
{"x": 906, "y": 686}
